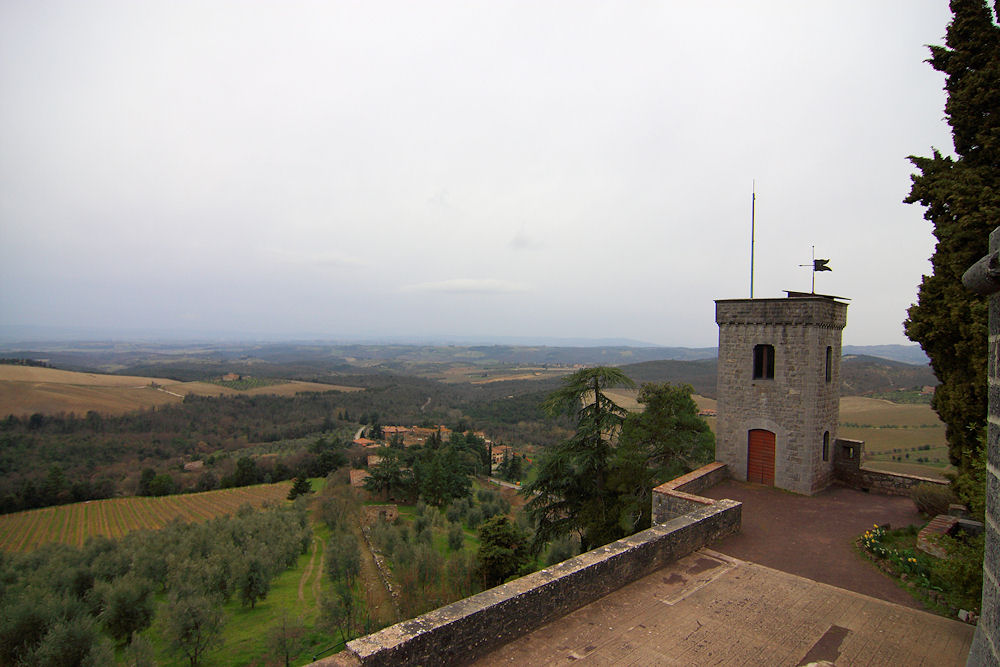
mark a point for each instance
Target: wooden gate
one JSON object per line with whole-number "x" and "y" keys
{"x": 760, "y": 457}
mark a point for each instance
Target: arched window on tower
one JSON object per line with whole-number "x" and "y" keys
{"x": 763, "y": 362}
{"x": 829, "y": 363}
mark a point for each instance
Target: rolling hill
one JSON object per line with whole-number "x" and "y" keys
{"x": 25, "y": 390}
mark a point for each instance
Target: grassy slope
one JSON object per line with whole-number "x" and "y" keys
{"x": 887, "y": 426}
{"x": 26, "y": 390}
{"x": 246, "y": 632}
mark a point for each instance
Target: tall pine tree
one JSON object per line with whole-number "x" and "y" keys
{"x": 571, "y": 492}
{"x": 962, "y": 197}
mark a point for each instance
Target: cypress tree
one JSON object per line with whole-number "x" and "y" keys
{"x": 300, "y": 486}
{"x": 962, "y": 200}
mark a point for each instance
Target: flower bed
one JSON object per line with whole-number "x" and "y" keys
{"x": 935, "y": 582}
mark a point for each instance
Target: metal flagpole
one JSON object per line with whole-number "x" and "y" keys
{"x": 753, "y": 206}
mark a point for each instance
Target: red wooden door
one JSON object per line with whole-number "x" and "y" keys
{"x": 760, "y": 457}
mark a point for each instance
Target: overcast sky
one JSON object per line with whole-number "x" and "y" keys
{"x": 366, "y": 169}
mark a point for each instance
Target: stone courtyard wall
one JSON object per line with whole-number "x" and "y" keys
{"x": 847, "y": 456}
{"x": 677, "y": 497}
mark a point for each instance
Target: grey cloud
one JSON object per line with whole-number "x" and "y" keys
{"x": 469, "y": 286}
{"x": 323, "y": 260}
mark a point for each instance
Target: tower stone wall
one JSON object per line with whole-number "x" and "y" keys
{"x": 984, "y": 278}
{"x": 799, "y": 404}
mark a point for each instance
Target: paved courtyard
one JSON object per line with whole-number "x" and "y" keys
{"x": 813, "y": 536}
{"x": 790, "y": 589}
{"x": 712, "y": 609}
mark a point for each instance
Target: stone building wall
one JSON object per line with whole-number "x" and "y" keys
{"x": 798, "y": 405}
{"x": 984, "y": 278}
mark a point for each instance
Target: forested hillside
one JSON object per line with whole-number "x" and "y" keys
{"x": 859, "y": 375}
{"x": 62, "y": 458}
{"x": 58, "y": 458}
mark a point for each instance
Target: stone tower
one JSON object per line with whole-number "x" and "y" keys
{"x": 779, "y": 389}
{"x": 984, "y": 278}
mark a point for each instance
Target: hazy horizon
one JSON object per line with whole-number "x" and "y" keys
{"x": 14, "y": 338}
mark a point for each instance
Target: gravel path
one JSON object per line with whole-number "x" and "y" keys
{"x": 307, "y": 573}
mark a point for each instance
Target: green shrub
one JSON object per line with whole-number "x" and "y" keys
{"x": 490, "y": 509}
{"x": 932, "y": 499}
{"x": 456, "y": 537}
{"x": 455, "y": 513}
{"x": 561, "y": 548}
{"x": 425, "y": 537}
{"x": 402, "y": 555}
{"x": 962, "y": 571}
{"x": 970, "y": 484}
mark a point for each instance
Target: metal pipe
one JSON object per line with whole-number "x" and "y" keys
{"x": 983, "y": 277}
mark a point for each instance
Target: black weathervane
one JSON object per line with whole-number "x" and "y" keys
{"x": 817, "y": 265}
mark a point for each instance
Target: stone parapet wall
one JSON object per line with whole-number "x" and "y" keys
{"x": 887, "y": 483}
{"x": 800, "y": 311}
{"x": 675, "y": 498}
{"x": 465, "y": 630}
{"x": 847, "y": 456}
{"x": 698, "y": 480}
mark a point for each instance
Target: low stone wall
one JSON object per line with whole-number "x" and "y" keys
{"x": 848, "y": 471}
{"x": 676, "y": 497}
{"x": 383, "y": 569}
{"x": 463, "y": 631}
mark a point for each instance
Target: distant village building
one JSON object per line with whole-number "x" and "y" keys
{"x": 231, "y": 377}
{"x": 374, "y": 460}
{"x": 499, "y": 451}
{"x": 415, "y": 435}
{"x": 779, "y": 389}
{"x": 412, "y": 435}
{"x": 428, "y": 432}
